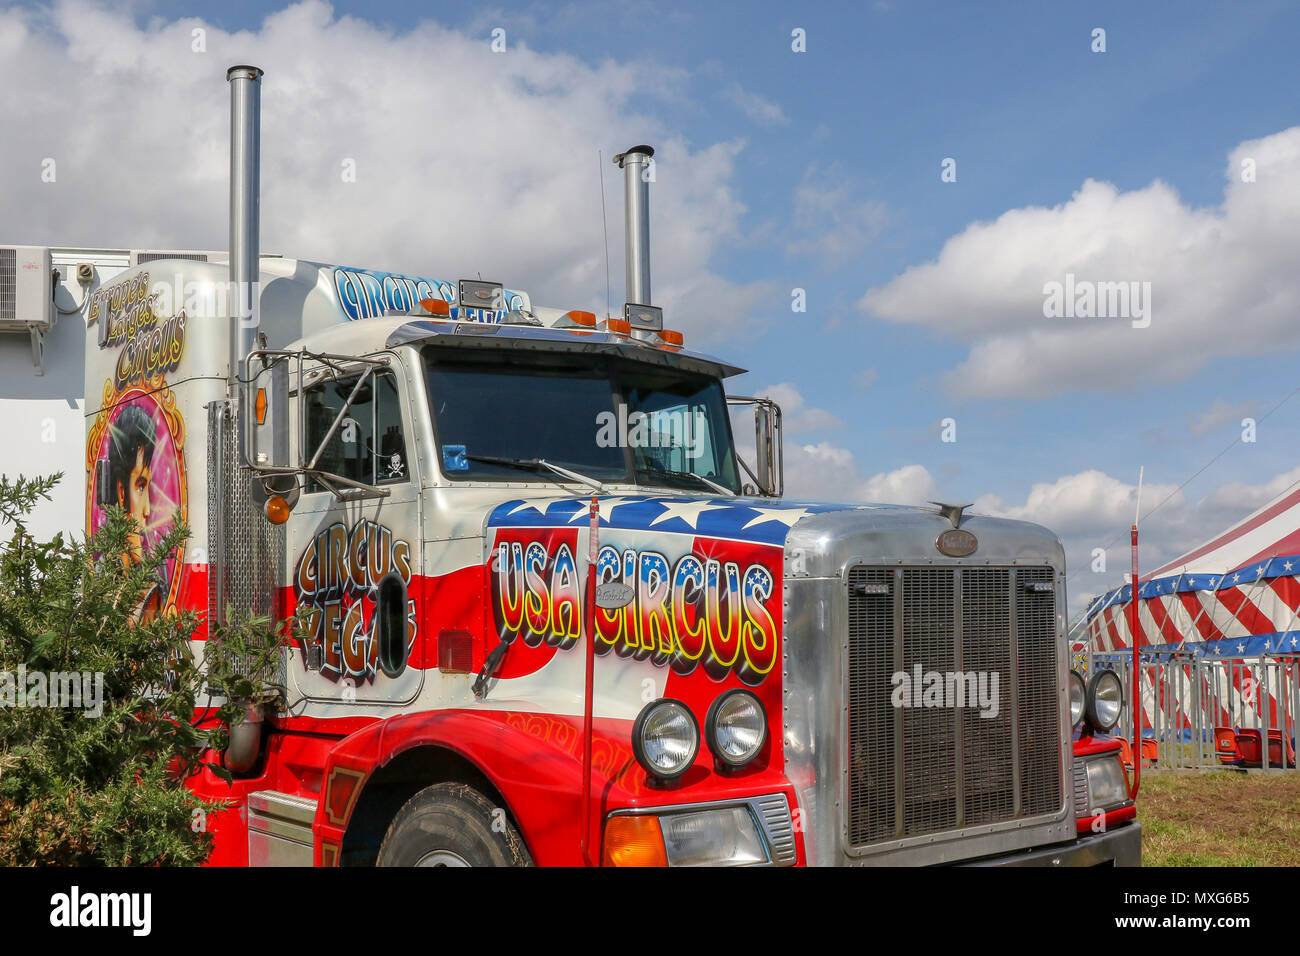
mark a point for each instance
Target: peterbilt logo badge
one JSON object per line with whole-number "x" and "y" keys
{"x": 956, "y": 543}
{"x": 613, "y": 595}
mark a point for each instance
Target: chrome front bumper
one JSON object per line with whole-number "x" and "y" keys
{"x": 1119, "y": 847}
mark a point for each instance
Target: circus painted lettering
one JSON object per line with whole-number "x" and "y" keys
{"x": 151, "y": 345}
{"x": 123, "y": 309}
{"x": 337, "y": 576}
{"x": 696, "y": 610}
{"x": 363, "y": 294}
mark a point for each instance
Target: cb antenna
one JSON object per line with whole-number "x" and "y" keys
{"x": 604, "y": 223}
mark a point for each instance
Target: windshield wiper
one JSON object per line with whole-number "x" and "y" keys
{"x": 532, "y": 464}
{"x": 689, "y": 474}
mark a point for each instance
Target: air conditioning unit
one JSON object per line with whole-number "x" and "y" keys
{"x": 27, "y": 296}
{"x": 26, "y": 290}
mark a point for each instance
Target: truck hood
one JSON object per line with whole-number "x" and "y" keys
{"x": 823, "y": 530}
{"x": 752, "y": 520}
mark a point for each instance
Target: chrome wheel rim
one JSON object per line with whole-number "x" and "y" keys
{"x": 442, "y": 858}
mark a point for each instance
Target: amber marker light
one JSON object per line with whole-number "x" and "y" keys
{"x": 277, "y": 509}
{"x": 671, "y": 339}
{"x": 436, "y": 306}
{"x": 634, "y": 841}
{"x": 260, "y": 405}
{"x": 619, "y": 326}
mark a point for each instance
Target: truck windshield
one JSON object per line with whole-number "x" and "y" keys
{"x": 602, "y": 417}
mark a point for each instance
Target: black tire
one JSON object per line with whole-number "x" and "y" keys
{"x": 451, "y": 824}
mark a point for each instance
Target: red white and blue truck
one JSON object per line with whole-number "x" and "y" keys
{"x": 551, "y": 616}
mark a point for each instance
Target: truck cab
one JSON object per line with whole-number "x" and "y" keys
{"x": 544, "y": 611}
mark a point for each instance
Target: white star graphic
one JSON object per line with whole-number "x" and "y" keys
{"x": 1293, "y": 642}
{"x": 1212, "y": 581}
{"x": 688, "y": 511}
{"x": 1236, "y": 578}
{"x": 606, "y": 506}
{"x": 1241, "y": 648}
{"x": 787, "y": 516}
{"x": 1260, "y": 569}
{"x": 1287, "y": 566}
{"x": 524, "y": 506}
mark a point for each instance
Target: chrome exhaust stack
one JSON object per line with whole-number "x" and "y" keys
{"x": 245, "y": 189}
{"x": 637, "y": 164}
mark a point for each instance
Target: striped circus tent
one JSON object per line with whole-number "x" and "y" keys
{"x": 1235, "y": 597}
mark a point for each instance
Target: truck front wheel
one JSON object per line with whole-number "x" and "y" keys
{"x": 451, "y": 824}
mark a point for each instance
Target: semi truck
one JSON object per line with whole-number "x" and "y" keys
{"x": 547, "y": 613}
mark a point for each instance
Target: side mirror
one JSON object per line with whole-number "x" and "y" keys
{"x": 264, "y": 408}
{"x": 768, "y": 473}
{"x": 768, "y": 448}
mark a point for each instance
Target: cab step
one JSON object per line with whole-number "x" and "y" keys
{"x": 279, "y": 829}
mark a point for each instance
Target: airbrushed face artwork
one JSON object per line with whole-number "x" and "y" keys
{"x": 715, "y": 607}
{"x": 138, "y": 438}
{"x": 336, "y": 577}
{"x": 140, "y": 447}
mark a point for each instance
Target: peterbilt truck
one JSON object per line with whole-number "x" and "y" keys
{"x": 548, "y": 614}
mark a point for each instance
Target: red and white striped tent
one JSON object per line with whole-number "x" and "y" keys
{"x": 1235, "y": 597}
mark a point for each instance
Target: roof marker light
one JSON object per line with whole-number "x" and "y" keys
{"x": 436, "y": 306}
{"x": 671, "y": 339}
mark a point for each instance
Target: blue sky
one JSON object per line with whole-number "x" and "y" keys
{"x": 831, "y": 179}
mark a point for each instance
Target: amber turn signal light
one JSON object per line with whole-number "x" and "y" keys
{"x": 277, "y": 509}
{"x": 633, "y": 840}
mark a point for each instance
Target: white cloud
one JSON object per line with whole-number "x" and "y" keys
{"x": 827, "y": 472}
{"x": 796, "y": 415}
{"x": 1223, "y": 282}
{"x": 1220, "y": 413}
{"x": 1092, "y": 510}
{"x": 865, "y": 379}
{"x": 467, "y": 161}
{"x": 830, "y": 225}
{"x": 823, "y": 470}
{"x": 909, "y": 485}
{"x": 757, "y": 108}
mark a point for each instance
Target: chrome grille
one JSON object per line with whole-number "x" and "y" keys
{"x": 989, "y": 794}
{"x": 923, "y": 770}
{"x": 928, "y": 747}
{"x": 1040, "y": 759}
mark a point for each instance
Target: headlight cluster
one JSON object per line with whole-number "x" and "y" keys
{"x": 666, "y": 738}
{"x": 1101, "y": 700}
{"x": 1107, "y": 785}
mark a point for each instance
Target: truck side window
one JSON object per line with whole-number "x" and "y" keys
{"x": 391, "y": 463}
{"x": 368, "y": 446}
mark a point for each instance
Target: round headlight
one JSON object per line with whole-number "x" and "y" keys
{"x": 736, "y": 727}
{"x": 1105, "y": 700}
{"x": 1078, "y": 698}
{"x": 665, "y": 738}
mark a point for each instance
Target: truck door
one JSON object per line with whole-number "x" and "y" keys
{"x": 352, "y": 558}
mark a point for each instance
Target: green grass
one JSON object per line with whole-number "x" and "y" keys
{"x": 1220, "y": 818}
